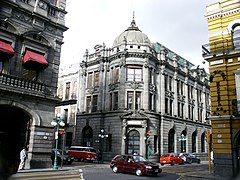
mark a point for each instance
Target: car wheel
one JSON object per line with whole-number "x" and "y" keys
{"x": 154, "y": 174}
{"x": 115, "y": 169}
{"x": 172, "y": 163}
{"x": 162, "y": 164}
{"x": 81, "y": 159}
{"x": 190, "y": 161}
{"x": 138, "y": 172}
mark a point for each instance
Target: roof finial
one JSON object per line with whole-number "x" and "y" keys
{"x": 133, "y": 24}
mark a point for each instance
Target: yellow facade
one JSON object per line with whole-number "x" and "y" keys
{"x": 223, "y": 55}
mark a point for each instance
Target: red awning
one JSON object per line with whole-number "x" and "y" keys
{"x": 6, "y": 48}
{"x": 33, "y": 58}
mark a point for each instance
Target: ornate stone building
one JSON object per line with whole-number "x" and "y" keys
{"x": 31, "y": 35}
{"x": 145, "y": 97}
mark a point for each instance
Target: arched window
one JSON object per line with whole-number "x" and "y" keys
{"x": 194, "y": 136}
{"x": 133, "y": 141}
{"x": 171, "y": 140}
{"x": 203, "y": 142}
{"x": 236, "y": 36}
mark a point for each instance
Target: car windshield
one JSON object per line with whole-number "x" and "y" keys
{"x": 139, "y": 159}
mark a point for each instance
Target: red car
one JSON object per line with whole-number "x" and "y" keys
{"x": 134, "y": 164}
{"x": 171, "y": 158}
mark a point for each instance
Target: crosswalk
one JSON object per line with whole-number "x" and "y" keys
{"x": 56, "y": 175}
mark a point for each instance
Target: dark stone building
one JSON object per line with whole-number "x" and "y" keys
{"x": 31, "y": 35}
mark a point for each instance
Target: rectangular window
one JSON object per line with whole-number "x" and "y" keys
{"x": 67, "y": 92}
{"x": 66, "y": 116}
{"x": 130, "y": 100}
{"x": 88, "y": 104}
{"x": 96, "y": 78}
{"x": 138, "y": 101}
{"x": 166, "y": 105}
{"x": 150, "y": 102}
{"x": 95, "y": 100}
{"x": 150, "y": 76}
{"x": 134, "y": 74}
{"x": 179, "y": 109}
{"x": 31, "y": 75}
{"x": 166, "y": 82}
{"x": 89, "y": 80}
{"x": 116, "y": 75}
{"x": 115, "y": 100}
{"x": 171, "y": 107}
{"x": 170, "y": 83}
{"x": 110, "y": 101}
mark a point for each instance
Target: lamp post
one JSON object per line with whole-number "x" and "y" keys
{"x": 182, "y": 139}
{"x": 101, "y": 135}
{"x": 56, "y": 122}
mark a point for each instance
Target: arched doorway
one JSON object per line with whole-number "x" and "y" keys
{"x": 133, "y": 142}
{"x": 183, "y": 141}
{"x": 171, "y": 140}
{"x": 236, "y": 154}
{"x": 14, "y": 134}
{"x": 194, "y": 138}
{"x": 87, "y": 135}
{"x": 203, "y": 142}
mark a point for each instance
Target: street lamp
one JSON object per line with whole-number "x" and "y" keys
{"x": 101, "y": 135}
{"x": 182, "y": 139}
{"x": 56, "y": 122}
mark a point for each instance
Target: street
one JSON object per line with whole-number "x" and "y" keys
{"x": 93, "y": 171}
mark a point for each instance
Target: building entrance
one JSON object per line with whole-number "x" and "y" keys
{"x": 133, "y": 142}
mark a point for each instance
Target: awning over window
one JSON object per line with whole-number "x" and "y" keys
{"x": 33, "y": 60}
{"x": 6, "y": 50}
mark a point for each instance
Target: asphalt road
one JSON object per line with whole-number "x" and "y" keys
{"x": 93, "y": 171}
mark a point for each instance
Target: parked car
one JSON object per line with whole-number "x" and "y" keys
{"x": 83, "y": 153}
{"x": 189, "y": 158}
{"x": 171, "y": 158}
{"x": 67, "y": 159}
{"x": 134, "y": 164}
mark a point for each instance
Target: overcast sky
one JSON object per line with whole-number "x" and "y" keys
{"x": 180, "y": 25}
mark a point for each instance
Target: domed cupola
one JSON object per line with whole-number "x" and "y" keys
{"x": 132, "y": 36}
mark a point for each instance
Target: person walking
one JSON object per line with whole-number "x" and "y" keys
{"x": 23, "y": 157}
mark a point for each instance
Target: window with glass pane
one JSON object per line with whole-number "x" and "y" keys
{"x": 30, "y": 75}
{"x": 67, "y": 92}
{"x": 236, "y": 37}
{"x": 95, "y": 98}
{"x": 130, "y": 100}
{"x": 134, "y": 74}
{"x": 89, "y": 81}
{"x": 115, "y": 100}
{"x": 110, "y": 101}
{"x": 138, "y": 101}
{"x": 96, "y": 78}
{"x": 116, "y": 75}
{"x": 88, "y": 104}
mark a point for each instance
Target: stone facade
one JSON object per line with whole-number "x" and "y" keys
{"x": 144, "y": 96}
{"x": 31, "y": 35}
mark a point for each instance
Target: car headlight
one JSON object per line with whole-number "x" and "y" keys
{"x": 149, "y": 167}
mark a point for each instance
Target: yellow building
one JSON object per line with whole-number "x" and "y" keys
{"x": 223, "y": 55}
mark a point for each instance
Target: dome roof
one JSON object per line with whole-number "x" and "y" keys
{"x": 132, "y": 35}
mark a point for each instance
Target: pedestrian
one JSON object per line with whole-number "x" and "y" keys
{"x": 23, "y": 157}
{"x": 99, "y": 156}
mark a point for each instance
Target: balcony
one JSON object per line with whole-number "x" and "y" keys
{"x": 221, "y": 47}
{"x": 18, "y": 85}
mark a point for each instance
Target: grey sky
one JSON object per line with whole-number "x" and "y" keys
{"x": 180, "y": 25}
